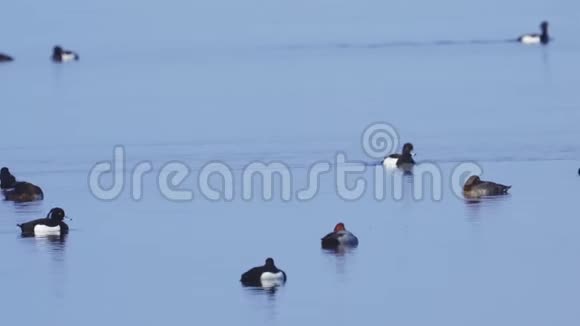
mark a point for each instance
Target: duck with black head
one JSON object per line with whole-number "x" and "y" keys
{"x": 52, "y": 224}
{"x": 24, "y": 192}
{"x": 7, "y": 180}
{"x": 474, "y": 187}
{"x": 5, "y": 58}
{"x": 60, "y": 55}
{"x": 339, "y": 237}
{"x": 266, "y": 276}
{"x": 542, "y": 38}
{"x": 402, "y": 161}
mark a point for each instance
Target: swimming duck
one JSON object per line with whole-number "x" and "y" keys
{"x": 339, "y": 237}
{"x": 475, "y": 187}
{"x": 51, "y": 225}
{"x": 5, "y": 58}
{"x": 7, "y": 180}
{"x": 265, "y": 276}
{"x": 542, "y": 38}
{"x": 404, "y": 160}
{"x": 60, "y": 55}
{"x": 24, "y": 192}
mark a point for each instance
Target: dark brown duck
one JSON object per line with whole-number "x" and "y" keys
{"x": 24, "y": 192}
{"x": 475, "y": 187}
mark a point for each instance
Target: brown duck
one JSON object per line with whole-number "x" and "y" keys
{"x": 24, "y": 192}
{"x": 475, "y": 187}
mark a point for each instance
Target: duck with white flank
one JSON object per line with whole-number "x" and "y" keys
{"x": 266, "y": 276}
{"x": 61, "y": 55}
{"x": 474, "y": 187}
{"x": 51, "y": 225}
{"x": 542, "y": 38}
{"x": 340, "y": 237}
{"x": 403, "y": 161}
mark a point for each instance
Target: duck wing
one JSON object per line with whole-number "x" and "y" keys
{"x": 405, "y": 160}
{"x": 72, "y": 54}
{"x": 28, "y": 227}
{"x": 493, "y": 188}
{"x": 27, "y": 189}
{"x": 252, "y": 276}
{"x": 529, "y": 35}
{"x": 330, "y": 240}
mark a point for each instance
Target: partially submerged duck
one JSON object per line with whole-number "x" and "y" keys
{"x": 475, "y": 187}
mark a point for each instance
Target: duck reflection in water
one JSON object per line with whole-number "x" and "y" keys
{"x": 55, "y": 241}
{"x": 339, "y": 251}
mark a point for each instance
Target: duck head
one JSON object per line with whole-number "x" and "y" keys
{"x": 56, "y": 214}
{"x": 339, "y": 227}
{"x": 471, "y": 181}
{"x": 269, "y": 262}
{"x": 57, "y": 50}
{"x": 544, "y": 27}
{"x": 408, "y": 149}
{"x": 4, "y": 171}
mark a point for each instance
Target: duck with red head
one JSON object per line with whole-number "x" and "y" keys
{"x": 266, "y": 276}
{"x": 474, "y": 187}
{"x": 340, "y": 237}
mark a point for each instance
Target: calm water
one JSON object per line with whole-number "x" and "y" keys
{"x": 296, "y": 82}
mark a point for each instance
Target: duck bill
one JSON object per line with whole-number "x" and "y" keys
{"x": 413, "y": 153}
